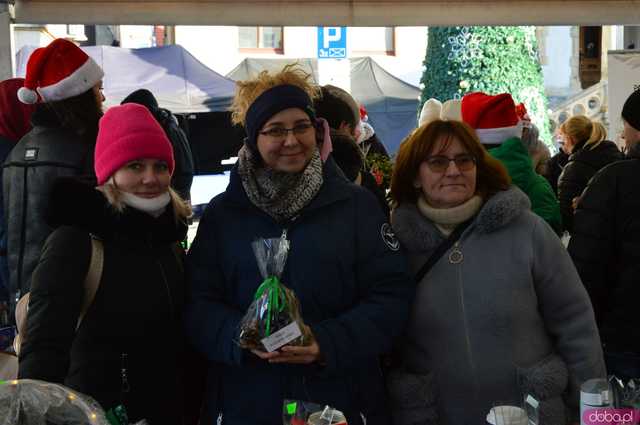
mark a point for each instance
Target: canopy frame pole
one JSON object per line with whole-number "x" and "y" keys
{"x": 6, "y": 41}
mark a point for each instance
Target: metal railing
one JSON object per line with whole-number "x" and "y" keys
{"x": 591, "y": 102}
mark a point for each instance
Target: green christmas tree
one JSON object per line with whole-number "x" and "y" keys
{"x": 493, "y": 60}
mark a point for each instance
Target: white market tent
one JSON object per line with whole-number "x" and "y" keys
{"x": 311, "y": 13}
{"x": 179, "y": 81}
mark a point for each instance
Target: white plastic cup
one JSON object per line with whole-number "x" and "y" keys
{"x": 507, "y": 415}
{"x": 594, "y": 394}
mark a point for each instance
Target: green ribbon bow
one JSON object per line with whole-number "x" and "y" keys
{"x": 117, "y": 416}
{"x": 276, "y": 300}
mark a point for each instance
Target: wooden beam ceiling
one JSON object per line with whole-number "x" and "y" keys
{"x": 330, "y": 12}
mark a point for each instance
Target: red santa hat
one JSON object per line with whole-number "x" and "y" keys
{"x": 493, "y": 117}
{"x": 363, "y": 113}
{"x": 57, "y": 72}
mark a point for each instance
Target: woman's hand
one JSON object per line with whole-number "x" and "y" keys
{"x": 292, "y": 354}
{"x": 574, "y": 203}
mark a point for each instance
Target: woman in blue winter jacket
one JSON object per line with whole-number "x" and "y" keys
{"x": 344, "y": 266}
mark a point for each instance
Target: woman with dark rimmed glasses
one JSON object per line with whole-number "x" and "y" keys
{"x": 499, "y": 310}
{"x": 344, "y": 266}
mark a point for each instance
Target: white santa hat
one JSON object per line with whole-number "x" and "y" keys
{"x": 57, "y": 72}
{"x": 434, "y": 110}
{"x": 430, "y": 112}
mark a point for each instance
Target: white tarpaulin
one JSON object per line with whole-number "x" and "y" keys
{"x": 624, "y": 78}
{"x": 179, "y": 81}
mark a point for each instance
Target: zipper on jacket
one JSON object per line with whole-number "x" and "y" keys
{"x": 467, "y": 337}
{"x": 286, "y": 227}
{"x": 124, "y": 376}
{"x": 23, "y": 234}
{"x": 456, "y": 256}
{"x": 166, "y": 286}
{"x": 172, "y": 311}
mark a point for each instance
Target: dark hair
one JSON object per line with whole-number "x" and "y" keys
{"x": 80, "y": 114}
{"x": 491, "y": 176}
{"x": 335, "y": 109}
{"x": 347, "y": 154}
{"x": 142, "y": 97}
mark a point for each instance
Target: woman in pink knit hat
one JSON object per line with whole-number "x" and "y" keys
{"x": 128, "y": 347}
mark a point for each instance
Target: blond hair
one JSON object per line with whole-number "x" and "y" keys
{"x": 248, "y": 91}
{"x": 583, "y": 130}
{"x": 181, "y": 208}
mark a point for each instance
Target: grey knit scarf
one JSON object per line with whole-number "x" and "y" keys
{"x": 281, "y": 195}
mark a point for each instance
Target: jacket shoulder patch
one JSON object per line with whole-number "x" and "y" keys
{"x": 31, "y": 154}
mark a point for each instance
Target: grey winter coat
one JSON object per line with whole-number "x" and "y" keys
{"x": 511, "y": 319}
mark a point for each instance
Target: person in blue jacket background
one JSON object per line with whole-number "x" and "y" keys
{"x": 344, "y": 266}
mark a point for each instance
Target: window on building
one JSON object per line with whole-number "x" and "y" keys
{"x": 76, "y": 32}
{"x": 367, "y": 41}
{"x": 263, "y": 39}
{"x": 590, "y": 56}
{"x": 631, "y": 37}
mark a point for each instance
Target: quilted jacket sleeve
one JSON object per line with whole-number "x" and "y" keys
{"x": 54, "y": 306}
{"x": 368, "y": 329}
{"x": 211, "y": 324}
{"x": 592, "y": 241}
{"x": 571, "y": 183}
{"x": 566, "y": 309}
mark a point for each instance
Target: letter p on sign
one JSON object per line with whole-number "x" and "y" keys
{"x": 331, "y": 34}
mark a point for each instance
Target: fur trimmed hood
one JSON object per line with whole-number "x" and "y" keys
{"x": 417, "y": 233}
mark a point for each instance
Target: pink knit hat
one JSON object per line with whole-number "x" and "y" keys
{"x": 126, "y": 133}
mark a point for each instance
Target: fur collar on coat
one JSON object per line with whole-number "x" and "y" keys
{"x": 417, "y": 233}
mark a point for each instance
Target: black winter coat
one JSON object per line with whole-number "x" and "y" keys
{"x": 554, "y": 168}
{"x": 134, "y": 322}
{"x": 605, "y": 247}
{"x": 582, "y": 165}
{"x": 5, "y": 147}
{"x": 373, "y": 145}
{"x": 47, "y": 152}
{"x": 183, "y": 175}
{"x": 369, "y": 182}
{"x": 346, "y": 269}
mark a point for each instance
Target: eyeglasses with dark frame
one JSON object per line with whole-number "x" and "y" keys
{"x": 281, "y": 132}
{"x": 440, "y": 163}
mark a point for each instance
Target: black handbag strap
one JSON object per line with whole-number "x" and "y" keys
{"x": 441, "y": 249}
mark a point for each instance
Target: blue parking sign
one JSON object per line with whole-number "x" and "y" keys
{"x": 332, "y": 42}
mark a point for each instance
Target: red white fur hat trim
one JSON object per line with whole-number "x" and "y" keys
{"x": 57, "y": 72}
